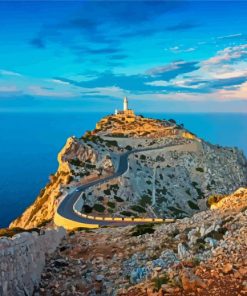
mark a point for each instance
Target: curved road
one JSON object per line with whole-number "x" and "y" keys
{"x": 65, "y": 209}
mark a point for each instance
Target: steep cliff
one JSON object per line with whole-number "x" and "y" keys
{"x": 79, "y": 162}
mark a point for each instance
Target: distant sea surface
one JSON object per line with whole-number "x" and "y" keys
{"x": 30, "y": 143}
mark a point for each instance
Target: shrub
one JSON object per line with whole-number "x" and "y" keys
{"x": 111, "y": 204}
{"x": 141, "y": 229}
{"x": 193, "y": 205}
{"x": 145, "y": 200}
{"x": 143, "y": 157}
{"x": 127, "y": 214}
{"x": 160, "y": 280}
{"x": 138, "y": 209}
{"x": 188, "y": 191}
{"x": 99, "y": 208}
{"x": 75, "y": 162}
{"x": 128, "y": 147}
{"x": 118, "y": 199}
{"x": 87, "y": 209}
{"x": 200, "y": 170}
{"x": 107, "y": 192}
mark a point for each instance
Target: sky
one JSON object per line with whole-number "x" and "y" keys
{"x": 173, "y": 56}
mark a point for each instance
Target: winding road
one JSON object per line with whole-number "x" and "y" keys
{"x": 67, "y": 217}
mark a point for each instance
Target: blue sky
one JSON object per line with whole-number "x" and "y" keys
{"x": 177, "y": 56}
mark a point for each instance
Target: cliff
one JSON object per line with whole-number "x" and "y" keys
{"x": 173, "y": 181}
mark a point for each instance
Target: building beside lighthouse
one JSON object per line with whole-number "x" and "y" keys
{"x": 126, "y": 111}
{"x": 125, "y": 116}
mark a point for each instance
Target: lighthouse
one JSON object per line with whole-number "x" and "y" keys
{"x": 125, "y": 104}
{"x": 126, "y": 112}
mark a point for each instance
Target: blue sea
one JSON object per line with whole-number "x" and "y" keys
{"x": 30, "y": 143}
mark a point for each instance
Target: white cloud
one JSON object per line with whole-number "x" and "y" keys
{"x": 9, "y": 73}
{"x": 37, "y": 90}
{"x": 179, "y": 49}
{"x": 10, "y": 89}
{"x": 230, "y": 36}
{"x": 57, "y": 81}
{"x": 228, "y": 55}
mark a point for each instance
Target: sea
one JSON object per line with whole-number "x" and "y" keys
{"x": 30, "y": 142}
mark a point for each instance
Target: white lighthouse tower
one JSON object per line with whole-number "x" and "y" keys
{"x": 125, "y": 104}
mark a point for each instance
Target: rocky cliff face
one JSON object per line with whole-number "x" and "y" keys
{"x": 22, "y": 259}
{"x": 79, "y": 161}
{"x": 173, "y": 181}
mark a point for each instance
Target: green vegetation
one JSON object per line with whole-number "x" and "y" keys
{"x": 138, "y": 209}
{"x": 148, "y": 182}
{"x": 159, "y": 158}
{"x": 142, "y": 229}
{"x": 198, "y": 190}
{"x": 160, "y": 280}
{"x": 111, "y": 204}
{"x": 128, "y": 147}
{"x": 145, "y": 200}
{"x": 143, "y": 157}
{"x": 111, "y": 143}
{"x": 90, "y": 166}
{"x": 118, "y": 199}
{"x": 75, "y": 162}
{"x": 193, "y": 205}
{"x": 200, "y": 169}
{"x": 162, "y": 191}
{"x": 128, "y": 214}
{"x": 87, "y": 209}
{"x": 107, "y": 191}
{"x": 99, "y": 208}
{"x": 188, "y": 191}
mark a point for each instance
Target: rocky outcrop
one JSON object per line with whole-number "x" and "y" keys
{"x": 22, "y": 259}
{"x": 79, "y": 160}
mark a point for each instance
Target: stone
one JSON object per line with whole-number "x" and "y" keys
{"x": 183, "y": 252}
{"x": 227, "y": 268}
{"x": 99, "y": 277}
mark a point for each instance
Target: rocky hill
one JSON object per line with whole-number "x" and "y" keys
{"x": 201, "y": 255}
{"x": 173, "y": 181}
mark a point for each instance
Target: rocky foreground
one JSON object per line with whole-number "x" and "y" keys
{"x": 202, "y": 255}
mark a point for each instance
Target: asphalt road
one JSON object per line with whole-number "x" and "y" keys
{"x": 65, "y": 208}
